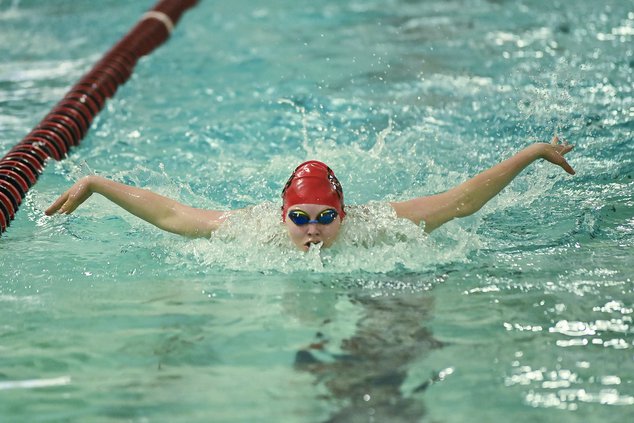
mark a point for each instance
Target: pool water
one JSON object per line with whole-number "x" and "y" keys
{"x": 521, "y": 312}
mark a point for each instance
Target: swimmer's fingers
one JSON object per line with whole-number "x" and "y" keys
{"x": 70, "y": 200}
{"x": 561, "y": 148}
{"x": 565, "y": 166}
{"x": 53, "y": 208}
{"x": 554, "y": 153}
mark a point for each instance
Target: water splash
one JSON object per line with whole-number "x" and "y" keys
{"x": 301, "y": 110}
{"x": 372, "y": 239}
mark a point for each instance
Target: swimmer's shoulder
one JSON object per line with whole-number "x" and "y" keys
{"x": 371, "y": 209}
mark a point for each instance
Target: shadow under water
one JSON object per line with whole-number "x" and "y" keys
{"x": 365, "y": 380}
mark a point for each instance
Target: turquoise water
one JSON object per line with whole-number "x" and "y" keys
{"x": 521, "y": 312}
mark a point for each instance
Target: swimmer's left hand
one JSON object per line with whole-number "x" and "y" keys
{"x": 554, "y": 153}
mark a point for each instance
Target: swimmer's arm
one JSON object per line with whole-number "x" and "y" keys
{"x": 160, "y": 211}
{"x": 469, "y": 197}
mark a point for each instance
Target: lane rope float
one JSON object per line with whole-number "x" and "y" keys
{"x": 69, "y": 120}
{"x": 169, "y": 25}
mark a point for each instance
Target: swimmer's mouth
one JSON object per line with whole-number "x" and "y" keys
{"x": 310, "y": 243}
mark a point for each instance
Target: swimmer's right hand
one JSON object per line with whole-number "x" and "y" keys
{"x": 71, "y": 199}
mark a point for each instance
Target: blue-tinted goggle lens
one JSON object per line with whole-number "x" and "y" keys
{"x": 300, "y": 217}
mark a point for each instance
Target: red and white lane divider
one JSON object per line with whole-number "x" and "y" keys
{"x": 70, "y": 119}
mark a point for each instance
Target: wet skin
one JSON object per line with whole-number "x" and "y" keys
{"x": 312, "y": 233}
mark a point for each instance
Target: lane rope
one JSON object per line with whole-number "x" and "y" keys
{"x": 153, "y": 14}
{"x": 69, "y": 121}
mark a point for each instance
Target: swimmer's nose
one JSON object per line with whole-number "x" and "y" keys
{"x": 313, "y": 229}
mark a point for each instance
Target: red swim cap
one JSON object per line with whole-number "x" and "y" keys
{"x": 313, "y": 182}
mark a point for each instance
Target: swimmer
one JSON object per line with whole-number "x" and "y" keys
{"x": 313, "y": 209}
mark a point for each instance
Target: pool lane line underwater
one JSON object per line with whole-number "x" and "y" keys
{"x": 69, "y": 120}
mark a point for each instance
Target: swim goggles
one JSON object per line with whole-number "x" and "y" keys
{"x": 301, "y": 218}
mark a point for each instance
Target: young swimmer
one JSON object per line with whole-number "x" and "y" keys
{"x": 313, "y": 209}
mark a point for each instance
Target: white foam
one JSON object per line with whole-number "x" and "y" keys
{"x": 34, "y": 383}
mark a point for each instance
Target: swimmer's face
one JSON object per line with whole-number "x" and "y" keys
{"x": 312, "y": 233}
